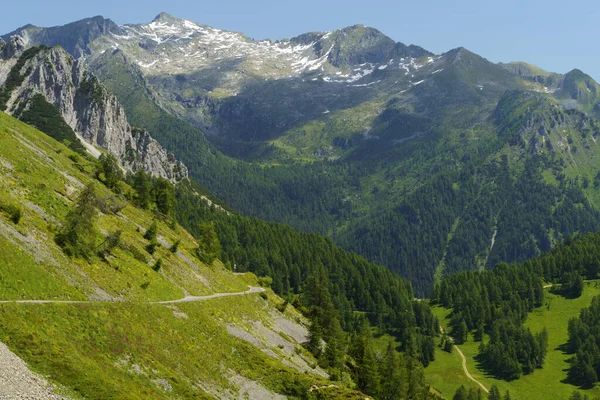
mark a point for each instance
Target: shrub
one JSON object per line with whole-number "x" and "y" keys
{"x": 112, "y": 241}
{"x": 151, "y": 232}
{"x": 137, "y": 253}
{"x": 13, "y": 211}
{"x": 151, "y": 247}
{"x": 265, "y": 281}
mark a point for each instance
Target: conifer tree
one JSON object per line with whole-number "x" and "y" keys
{"x": 461, "y": 394}
{"x": 393, "y": 375}
{"x": 209, "y": 246}
{"x": 141, "y": 185}
{"x": 164, "y": 195}
{"x": 79, "y": 233}
{"x": 494, "y": 393}
{"x": 109, "y": 172}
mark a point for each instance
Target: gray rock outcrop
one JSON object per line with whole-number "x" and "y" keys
{"x": 13, "y": 49}
{"x": 91, "y": 111}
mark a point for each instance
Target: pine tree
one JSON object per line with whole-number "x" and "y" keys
{"x": 209, "y": 247}
{"x": 164, "y": 195}
{"x": 336, "y": 344}
{"x": 576, "y": 396}
{"x": 494, "y": 393}
{"x": 315, "y": 339}
{"x": 151, "y": 232}
{"x": 109, "y": 172}
{"x": 141, "y": 185}
{"x": 368, "y": 377}
{"x": 393, "y": 375}
{"x": 460, "y": 331}
{"x": 461, "y": 394}
{"x": 79, "y": 233}
{"x": 366, "y": 374}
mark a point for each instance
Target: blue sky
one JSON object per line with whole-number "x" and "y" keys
{"x": 557, "y": 36}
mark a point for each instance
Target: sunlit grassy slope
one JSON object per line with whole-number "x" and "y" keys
{"x": 118, "y": 343}
{"x": 446, "y": 374}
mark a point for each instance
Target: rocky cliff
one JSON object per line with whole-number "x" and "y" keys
{"x": 85, "y": 104}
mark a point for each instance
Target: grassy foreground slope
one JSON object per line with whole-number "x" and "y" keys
{"x": 446, "y": 375}
{"x": 117, "y": 342}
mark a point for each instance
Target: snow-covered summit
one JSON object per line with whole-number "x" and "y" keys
{"x": 169, "y": 45}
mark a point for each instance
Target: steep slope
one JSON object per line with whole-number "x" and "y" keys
{"x": 579, "y": 90}
{"x": 84, "y": 104}
{"x": 98, "y": 327}
{"x": 147, "y": 311}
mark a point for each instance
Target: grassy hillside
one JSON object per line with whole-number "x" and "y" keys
{"x": 446, "y": 374}
{"x": 116, "y": 341}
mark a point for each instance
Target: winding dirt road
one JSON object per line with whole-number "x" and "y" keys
{"x": 186, "y": 299}
{"x": 464, "y": 366}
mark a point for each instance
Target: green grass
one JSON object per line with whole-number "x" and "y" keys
{"x": 122, "y": 347}
{"x": 445, "y": 373}
{"x": 22, "y": 278}
{"x": 118, "y": 350}
{"x": 44, "y": 177}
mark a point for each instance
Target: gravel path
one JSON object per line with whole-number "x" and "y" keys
{"x": 186, "y": 299}
{"x": 17, "y": 382}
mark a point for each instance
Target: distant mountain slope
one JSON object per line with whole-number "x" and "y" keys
{"x": 74, "y": 37}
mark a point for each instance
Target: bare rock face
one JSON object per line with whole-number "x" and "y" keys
{"x": 91, "y": 111}
{"x": 13, "y": 49}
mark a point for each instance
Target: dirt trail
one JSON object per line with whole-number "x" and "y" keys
{"x": 186, "y": 299}
{"x": 17, "y": 382}
{"x": 464, "y": 366}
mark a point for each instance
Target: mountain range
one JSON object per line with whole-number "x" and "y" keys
{"x": 426, "y": 163}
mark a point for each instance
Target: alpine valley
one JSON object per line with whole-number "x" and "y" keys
{"x": 329, "y": 182}
{"x": 421, "y": 162}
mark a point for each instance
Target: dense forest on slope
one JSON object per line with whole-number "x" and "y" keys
{"x": 583, "y": 344}
{"x": 291, "y": 258}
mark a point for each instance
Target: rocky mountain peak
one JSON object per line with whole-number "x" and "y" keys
{"x": 74, "y": 37}
{"x": 89, "y": 109}
{"x": 14, "y": 48}
{"x": 579, "y": 87}
{"x": 356, "y": 44}
{"x": 166, "y": 17}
